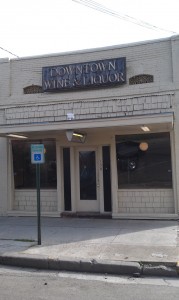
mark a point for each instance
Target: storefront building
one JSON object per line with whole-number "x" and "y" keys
{"x": 109, "y": 122}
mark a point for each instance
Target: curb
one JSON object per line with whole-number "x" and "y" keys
{"x": 78, "y": 265}
{"x": 160, "y": 269}
{"x": 134, "y": 269}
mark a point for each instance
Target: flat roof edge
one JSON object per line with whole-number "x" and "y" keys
{"x": 106, "y": 48}
{"x": 4, "y": 60}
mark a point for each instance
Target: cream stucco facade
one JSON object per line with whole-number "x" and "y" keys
{"x": 102, "y": 114}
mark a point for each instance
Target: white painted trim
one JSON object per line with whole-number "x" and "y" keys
{"x": 87, "y": 205}
{"x": 73, "y": 179}
{"x": 10, "y": 178}
{"x": 114, "y": 181}
{"x": 60, "y": 202}
{"x": 166, "y": 118}
{"x": 174, "y": 179}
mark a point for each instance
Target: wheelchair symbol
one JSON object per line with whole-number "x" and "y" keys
{"x": 37, "y": 157}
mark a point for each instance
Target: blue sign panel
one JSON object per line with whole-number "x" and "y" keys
{"x": 37, "y": 157}
{"x": 99, "y": 73}
{"x": 37, "y": 154}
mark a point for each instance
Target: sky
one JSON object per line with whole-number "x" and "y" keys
{"x": 38, "y": 27}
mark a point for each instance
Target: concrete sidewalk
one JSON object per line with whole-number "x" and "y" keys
{"x": 132, "y": 247}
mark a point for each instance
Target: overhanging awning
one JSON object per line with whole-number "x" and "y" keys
{"x": 156, "y": 121}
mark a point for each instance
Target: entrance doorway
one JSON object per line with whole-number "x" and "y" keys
{"x": 89, "y": 190}
{"x": 87, "y": 180}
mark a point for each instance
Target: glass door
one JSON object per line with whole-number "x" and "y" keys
{"x": 87, "y": 180}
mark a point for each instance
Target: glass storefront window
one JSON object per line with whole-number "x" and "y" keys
{"x": 144, "y": 161}
{"x": 25, "y": 171}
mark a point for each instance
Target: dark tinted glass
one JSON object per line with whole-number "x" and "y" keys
{"x": 106, "y": 178}
{"x": 25, "y": 172}
{"x": 87, "y": 166}
{"x": 144, "y": 161}
{"x": 67, "y": 178}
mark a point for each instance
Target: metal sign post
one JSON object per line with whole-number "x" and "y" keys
{"x": 37, "y": 157}
{"x": 38, "y": 203}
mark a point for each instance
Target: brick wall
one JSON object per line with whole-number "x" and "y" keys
{"x": 4, "y": 80}
{"x": 3, "y": 175}
{"x": 150, "y": 201}
{"x": 153, "y": 58}
{"x": 26, "y": 200}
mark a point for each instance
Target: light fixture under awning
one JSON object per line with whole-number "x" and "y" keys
{"x": 16, "y": 136}
{"x": 75, "y": 136}
{"x": 145, "y": 128}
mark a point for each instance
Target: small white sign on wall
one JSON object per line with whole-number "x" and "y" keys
{"x": 70, "y": 116}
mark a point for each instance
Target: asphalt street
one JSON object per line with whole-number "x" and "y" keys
{"x": 27, "y": 284}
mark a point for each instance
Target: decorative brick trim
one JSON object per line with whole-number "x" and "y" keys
{"x": 33, "y": 89}
{"x": 142, "y": 78}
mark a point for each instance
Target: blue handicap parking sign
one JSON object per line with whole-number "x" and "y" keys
{"x": 37, "y": 157}
{"x": 37, "y": 154}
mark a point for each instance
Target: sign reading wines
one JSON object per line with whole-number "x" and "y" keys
{"x": 84, "y": 75}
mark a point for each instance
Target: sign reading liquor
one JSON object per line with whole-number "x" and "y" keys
{"x": 84, "y": 75}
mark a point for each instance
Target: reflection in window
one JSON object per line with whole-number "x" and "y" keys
{"x": 144, "y": 161}
{"x": 25, "y": 172}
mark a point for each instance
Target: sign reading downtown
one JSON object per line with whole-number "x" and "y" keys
{"x": 99, "y": 73}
